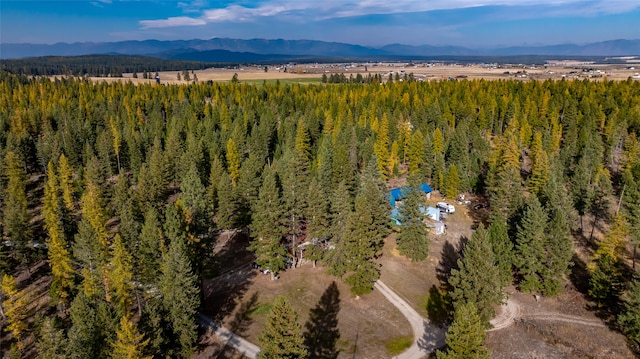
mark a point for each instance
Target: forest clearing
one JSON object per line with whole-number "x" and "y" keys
{"x": 127, "y": 210}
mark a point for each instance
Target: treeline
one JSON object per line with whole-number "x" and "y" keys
{"x": 369, "y": 78}
{"x": 96, "y": 65}
{"x": 138, "y": 181}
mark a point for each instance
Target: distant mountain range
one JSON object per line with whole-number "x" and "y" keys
{"x": 263, "y": 50}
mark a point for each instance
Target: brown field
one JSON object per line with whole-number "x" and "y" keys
{"x": 305, "y": 73}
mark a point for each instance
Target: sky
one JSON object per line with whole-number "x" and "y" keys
{"x": 470, "y": 23}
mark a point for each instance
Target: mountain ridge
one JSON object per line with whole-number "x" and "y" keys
{"x": 311, "y": 48}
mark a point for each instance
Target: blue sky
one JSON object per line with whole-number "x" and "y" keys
{"x": 471, "y": 23}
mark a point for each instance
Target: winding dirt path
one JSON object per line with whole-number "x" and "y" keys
{"x": 511, "y": 312}
{"x": 426, "y": 336}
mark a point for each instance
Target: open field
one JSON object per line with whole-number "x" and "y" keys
{"x": 311, "y": 73}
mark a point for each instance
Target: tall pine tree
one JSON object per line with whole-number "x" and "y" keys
{"x": 530, "y": 251}
{"x": 282, "y": 337}
{"x": 466, "y": 335}
{"x": 477, "y": 279}
{"x": 180, "y": 297}
{"x": 413, "y": 240}
{"x": 266, "y": 228}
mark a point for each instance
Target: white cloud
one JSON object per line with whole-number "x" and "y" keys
{"x": 172, "y": 22}
{"x": 100, "y": 3}
{"x": 314, "y": 10}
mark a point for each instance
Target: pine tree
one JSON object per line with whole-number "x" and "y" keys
{"x": 416, "y": 152}
{"x": 15, "y": 308}
{"x": 381, "y": 147}
{"x": 605, "y": 279}
{"x": 129, "y": 343}
{"x": 154, "y": 324}
{"x": 367, "y": 227}
{"x": 51, "y": 342}
{"x": 59, "y": 256}
{"x": 88, "y": 336}
{"x": 227, "y": 214}
{"x": 317, "y": 213}
{"x": 452, "y": 182}
{"x": 282, "y": 337}
{"x": 502, "y": 249}
{"x": 16, "y": 218}
{"x": 295, "y": 179}
{"x": 530, "y": 251}
{"x": 631, "y": 207}
{"x": 180, "y": 296}
{"x": 614, "y": 242}
{"x": 599, "y": 205}
{"x": 504, "y": 177}
{"x": 324, "y": 162}
{"x": 65, "y": 175}
{"x": 413, "y": 240}
{"x": 151, "y": 248}
{"x": 88, "y": 252}
{"x": 466, "y": 335}
{"x": 629, "y": 318}
{"x": 93, "y": 212}
{"x": 121, "y": 276}
{"x": 581, "y": 190}
{"x": 125, "y": 211}
{"x": 158, "y": 173}
{"x": 340, "y": 210}
{"x": 233, "y": 161}
{"x": 266, "y": 228}
{"x": 302, "y": 141}
{"x": 477, "y": 279}
{"x": 539, "y": 165}
{"x": 559, "y": 251}
{"x": 194, "y": 204}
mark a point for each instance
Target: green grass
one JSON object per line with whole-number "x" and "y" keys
{"x": 398, "y": 345}
{"x": 260, "y": 309}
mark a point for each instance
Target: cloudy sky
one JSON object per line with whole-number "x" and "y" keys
{"x": 472, "y": 23}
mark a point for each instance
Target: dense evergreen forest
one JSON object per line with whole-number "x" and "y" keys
{"x": 124, "y": 190}
{"x": 98, "y": 65}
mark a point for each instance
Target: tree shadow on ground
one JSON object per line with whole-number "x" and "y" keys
{"x": 242, "y": 318}
{"x": 579, "y": 275}
{"x": 239, "y": 325}
{"x": 233, "y": 278}
{"x": 321, "y": 330}
{"x": 449, "y": 261}
{"x": 608, "y": 309}
{"x": 432, "y": 340}
{"x": 438, "y": 307}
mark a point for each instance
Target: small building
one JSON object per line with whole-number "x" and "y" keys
{"x": 438, "y": 228}
{"x": 432, "y": 213}
{"x": 400, "y": 193}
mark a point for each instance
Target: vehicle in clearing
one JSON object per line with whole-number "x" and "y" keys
{"x": 446, "y": 207}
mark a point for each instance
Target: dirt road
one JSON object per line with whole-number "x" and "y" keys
{"x": 426, "y": 336}
{"x": 247, "y": 349}
{"x": 511, "y": 312}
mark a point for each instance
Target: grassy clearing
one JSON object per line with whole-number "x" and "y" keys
{"x": 398, "y": 345}
{"x": 261, "y": 309}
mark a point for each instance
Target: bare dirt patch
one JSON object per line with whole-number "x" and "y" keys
{"x": 241, "y": 300}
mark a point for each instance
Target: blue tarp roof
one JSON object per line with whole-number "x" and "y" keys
{"x": 402, "y": 192}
